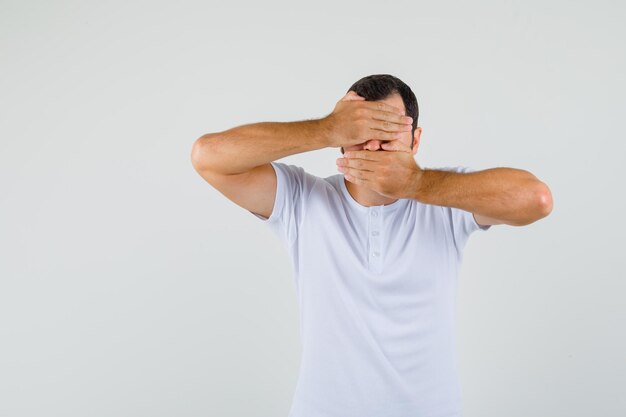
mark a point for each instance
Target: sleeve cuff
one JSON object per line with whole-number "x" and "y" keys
{"x": 475, "y": 224}
{"x": 278, "y": 200}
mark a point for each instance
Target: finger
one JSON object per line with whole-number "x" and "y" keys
{"x": 355, "y": 94}
{"x": 354, "y": 180}
{"x": 376, "y": 134}
{"x": 355, "y": 163}
{"x": 391, "y": 117}
{"x": 381, "y": 106}
{"x": 351, "y": 95}
{"x": 357, "y": 176}
{"x": 390, "y": 146}
{"x": 368, "y": 155}
{"x": 395, "y": 145}
{"x": 388, "y": 126}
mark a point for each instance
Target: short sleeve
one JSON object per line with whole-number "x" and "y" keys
{"x": 293, "y": 187}
{"x": 462, "y": 223}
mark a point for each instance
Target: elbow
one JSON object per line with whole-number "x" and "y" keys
{"x": 201, "y": 152}
{"x": 543, "y": 200}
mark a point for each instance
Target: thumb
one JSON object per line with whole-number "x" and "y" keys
{"x": 389, "y": 146}
{"x": 395, "y": 145}
{"x": 352, "y": 95}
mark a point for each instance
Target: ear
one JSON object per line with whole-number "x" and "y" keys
{"x": 416, "y": 139}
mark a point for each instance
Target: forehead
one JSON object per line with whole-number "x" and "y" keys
{"x": 395, "y": 100}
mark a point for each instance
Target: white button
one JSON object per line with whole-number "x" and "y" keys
{"x": 375, "y": 254}
{"x": 374, "y": 233}
{"x": 374, "y": 213}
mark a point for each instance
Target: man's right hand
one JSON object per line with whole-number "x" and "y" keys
{"x": 355, "y": 120}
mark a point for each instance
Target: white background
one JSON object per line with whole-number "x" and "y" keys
{"x": 130, "y": 287}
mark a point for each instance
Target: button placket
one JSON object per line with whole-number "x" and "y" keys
{"x": 374, "y": 238}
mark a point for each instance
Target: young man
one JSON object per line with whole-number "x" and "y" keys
{"x": 375, "y": 249}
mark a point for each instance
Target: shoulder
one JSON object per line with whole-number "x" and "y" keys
{"x": 294, "y": 173}
{"x": 296, "y": 181}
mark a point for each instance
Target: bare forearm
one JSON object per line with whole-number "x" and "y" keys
{"x": 245, "y": 147}
{"x": 509, "y": 194}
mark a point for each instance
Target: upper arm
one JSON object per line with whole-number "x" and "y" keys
{"x": 254, "y": 190}
{"x": 480, "y": 220}
{"x": 274, "y": 192}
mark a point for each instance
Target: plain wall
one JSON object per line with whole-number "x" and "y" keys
{"x": 130, "y": 287}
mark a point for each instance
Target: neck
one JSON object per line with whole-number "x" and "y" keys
{"x": 365, "y": 196}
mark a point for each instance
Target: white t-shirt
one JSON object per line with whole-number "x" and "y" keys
{"x": 376, "y": 290}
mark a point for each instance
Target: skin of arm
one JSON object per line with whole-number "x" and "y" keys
{"x": 514, "y": 196}
{"x": 245, "y": 147}
{"x": 494, "y": 196}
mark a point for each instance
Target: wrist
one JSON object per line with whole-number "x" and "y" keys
{"x": 419, "y": 182}
{"x": 325, "y": 129}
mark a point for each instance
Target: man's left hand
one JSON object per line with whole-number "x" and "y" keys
{"x": 392, "y": 172}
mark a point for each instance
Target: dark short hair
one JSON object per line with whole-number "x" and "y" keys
{"x": 380, "y": 86}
